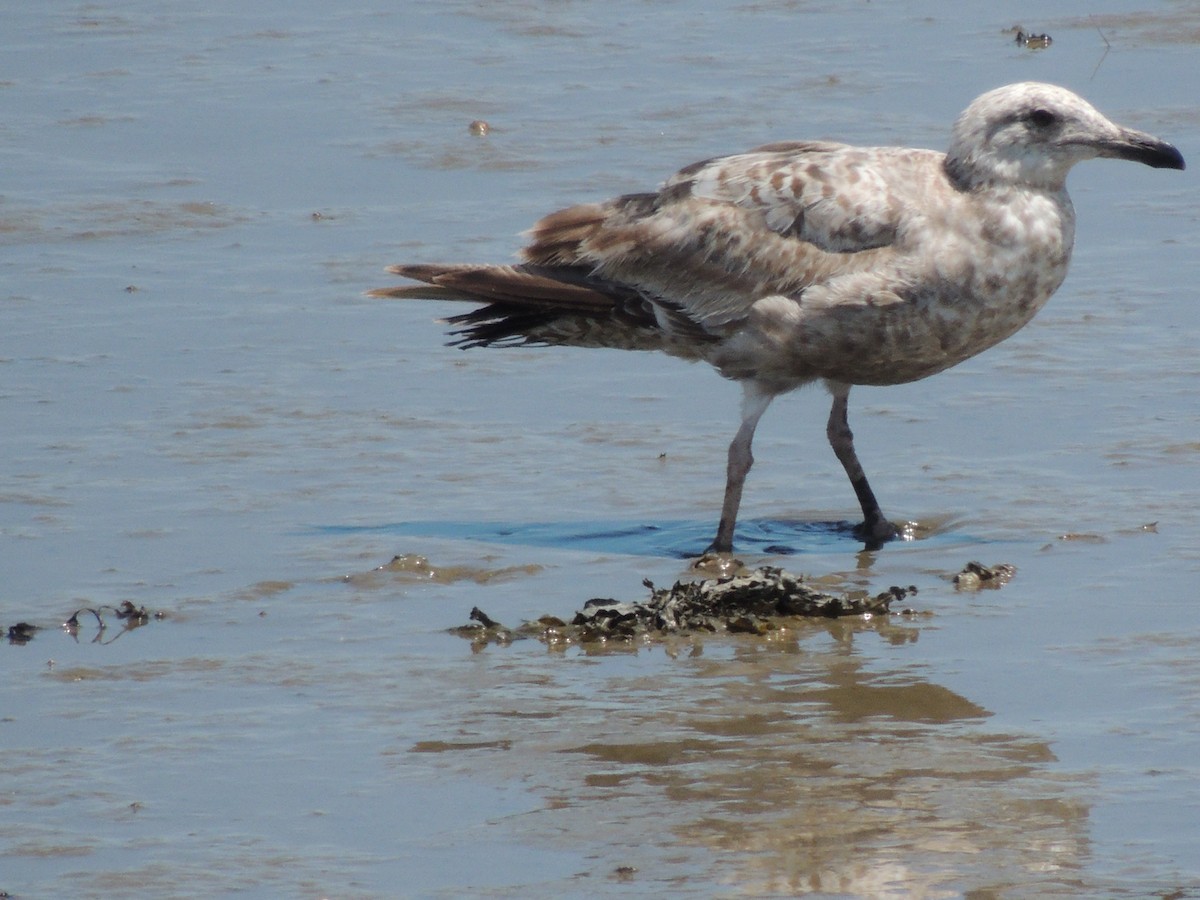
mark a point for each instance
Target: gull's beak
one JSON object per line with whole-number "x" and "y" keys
{"x": 1138, "y": 146}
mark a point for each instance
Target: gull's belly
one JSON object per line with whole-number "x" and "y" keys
{"x": 972, "y": 290}
{"x": 889, "y": 329}
{"x": 910, "y": 341}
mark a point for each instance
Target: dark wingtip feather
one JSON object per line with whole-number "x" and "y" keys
{"x": 496, "y": 325}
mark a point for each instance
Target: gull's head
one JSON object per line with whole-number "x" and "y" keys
{"x": 1031, "y": 134}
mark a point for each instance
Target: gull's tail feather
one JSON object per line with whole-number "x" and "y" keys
{"x": 566, "y": 289}
{"x": 530, "y": 304}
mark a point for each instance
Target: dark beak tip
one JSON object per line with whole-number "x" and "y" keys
{"x": 1137, "y": 146}
{"x": 1168, "y": 157}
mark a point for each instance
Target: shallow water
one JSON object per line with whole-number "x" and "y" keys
{"x": 202, "y": 414}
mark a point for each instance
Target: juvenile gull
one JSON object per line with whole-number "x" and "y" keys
{"x": 811, "y": 260}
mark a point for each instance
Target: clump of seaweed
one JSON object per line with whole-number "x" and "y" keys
{"x": 754, "y": 602}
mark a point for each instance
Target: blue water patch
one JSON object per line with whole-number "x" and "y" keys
{"x": 681, "y": 539}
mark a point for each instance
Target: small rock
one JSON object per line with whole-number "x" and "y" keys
{"x": 976, "y": 575}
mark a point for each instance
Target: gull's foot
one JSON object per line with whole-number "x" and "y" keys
{"x": 877, "y": 532}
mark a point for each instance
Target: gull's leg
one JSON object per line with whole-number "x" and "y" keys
{"x": 754, "y": 403}
{"x": 875, "y": 529}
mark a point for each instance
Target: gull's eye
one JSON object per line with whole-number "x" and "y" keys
{"x": 1042, "y": 118}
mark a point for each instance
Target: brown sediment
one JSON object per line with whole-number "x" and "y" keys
{"x": 414, "y": 567}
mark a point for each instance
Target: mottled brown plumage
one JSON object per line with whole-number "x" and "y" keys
{"x": 811, "y": 260}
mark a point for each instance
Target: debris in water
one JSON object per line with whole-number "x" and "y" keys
{"x": 132, "y": 617}
{"x": 975, "y": 576}
{"x": 133, "y": 614}
{"x": 129, "y": 615}
{"x": 1033, "y": 41}
{"x": 21, "y": 633}
{"x": 478, "y": 615}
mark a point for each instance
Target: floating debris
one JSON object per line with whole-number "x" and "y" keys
{"x": 478, "y": 615}
{"x": 624, "y": 873}
{"x": 127, "y": 612}
{"x": 755, "y": 602}
{"x": 129, "y": 615}
{"x": 975, "y": 576}
{"x": 1033, "y": 41}
{"x": 21, "y": 633}
{"x": 132, "y": 617}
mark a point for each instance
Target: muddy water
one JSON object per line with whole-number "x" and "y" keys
{"x": 201, "y": 414}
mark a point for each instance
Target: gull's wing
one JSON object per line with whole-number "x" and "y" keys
{"x": 723, "y": 233}
{"x": 680, "y": 267}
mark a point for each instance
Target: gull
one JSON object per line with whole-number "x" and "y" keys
{"x": 810, "y": 260}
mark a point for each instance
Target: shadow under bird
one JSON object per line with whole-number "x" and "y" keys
{"x": 811, "y": 260}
